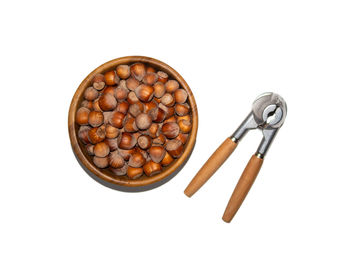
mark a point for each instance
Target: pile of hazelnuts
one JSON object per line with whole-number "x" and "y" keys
{"x": 134, "y": 120}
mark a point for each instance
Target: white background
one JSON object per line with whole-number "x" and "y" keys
{"x": 54, "y": 217}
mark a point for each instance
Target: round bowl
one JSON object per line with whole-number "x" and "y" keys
{"x": 106, "y": 174}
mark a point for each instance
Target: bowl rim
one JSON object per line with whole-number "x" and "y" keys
{"x": 104, "y": 175}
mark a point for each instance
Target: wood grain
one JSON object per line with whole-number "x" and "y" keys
{"x": 105, "y": 174}
{"x": 242, "y": 188}
{"x": 211, "y": 166}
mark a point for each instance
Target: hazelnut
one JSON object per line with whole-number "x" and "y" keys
{"x": 90, "y": 149}
{"x": 82, "y": 116}
{"x": 101, "y": 149}
{"x": 96, "y": 105}
{"x": 90, "y": 94}
{"x": 137, "y": 160}
{"x": 112, "y": 143}
{"x": 107, "y": 102}
{"x": 180, "y": 96}
{"x": 143, "y": 121}
{"x": 134, "y": 173}
{"x": 167, "y": 100}
{"x": 158, "y": 115}
{"x": 119, "y": 171}
{"x": 167, "y": 159}
{"x": 160, "y": 140}
{"x": 153, "y": 130}
{"x": 97, "y": 134}
{"x": 138, "y": 71}
{"x": 126, "y": 153}
{"x": 170, "y": 120}
{"x": 109, "y": 90}
{"x": 182, "y": 138}
{"x": 136, "y": 109}
{"x": 182, "y": 109}
{"x": 150, "y": 106}
{"x": 116, "y": 160}
{"x": 123, "y": 107}
{"x": 111, "y": 78}
{"x": 174, "y": 148}
{"x": 157, "y": 153}
{"x": 111, "y": 132}
{"x": 121, "y": 94}
{"x": 159, "y": 89}
{"x": 150, "y": 78}
{"x": 170, "y": 130}
{"x": 169, "y": 111}
{"x": 144, "y": 141}
{"x": 171, "y": 86}
{"x": 185, "y": 117}
{"x": 100, "y": 162}
{"x": 132, "y": 83}
{"x": 117, "y": 119}
{"x": 143, "y": 152}
{"x": 123, "y": 71}
{"x": 98, "y": 82}
{"x": 130, "y": 125}
{"x": 152, "y": 168}
{"x": 86, "y": 104}
{"x": 162, "y": 76}
{"x": 96, "y": 118}
{"x": 150, "y": 69}
{"x": 83, "y": 133}
{"x": 185, "y": 126}
{"x": 132, "y": 98}
{"x": 126, "y": 141}
{"x": 144, "y": 92}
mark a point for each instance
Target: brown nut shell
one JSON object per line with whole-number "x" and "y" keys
{"x": 162, "y": 76}
{"x": 116, "y": 160}
{"x": 119, "y": 171}
{"x": 134, "y": 173}
{"x": 171, "y": 86}
{"x": 98, "y": 82}
{"x": 174, "y": 148}
{"x": 152, "y": 168}
{"x": 137, "y": 160}
{"x": 101, "y": 149}
{"x": 167, "y": 159}
{"x": 150, "y": 78}
{"x": 83, "y": 134}
{"x": 90, "y": 94}
{"x": 100, "y": 162}
{"x": 123, "y": 107}
{"x": 117, "y": 119}
{"x": 111, "y": 132}
{"x": 159, "y": 89}
{"x": 132, "y": 83}
{"x": 126, "y": 140}
{"x": 185, "y": 126}
{"x": 97, "y": 134}
{"x": 182, "y": 109}
{"x": 107, "y": 102}
{"x": 138, "y": 70}
{"x": 82, "y": 116}
{"x": 111, "y": 78}
{"x": 144, "y": 92}
{"x": 144, "y": 141}
{"x": 96, "y": 118}
{"x": 123, "y": 71}
{"x": 157, "y": 153}
{"x": 143, "y": 121}
{"x": 180, "y": 96}
{"x": 170, "y": 130}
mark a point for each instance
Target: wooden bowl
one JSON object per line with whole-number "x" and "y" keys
{"x": 106, "y": 174}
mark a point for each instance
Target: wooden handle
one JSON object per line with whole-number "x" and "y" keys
{"x": 210, "y": 167}
{"x": 242, "y": 188}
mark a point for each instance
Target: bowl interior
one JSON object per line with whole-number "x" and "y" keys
{"x": 79, "y": 148}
